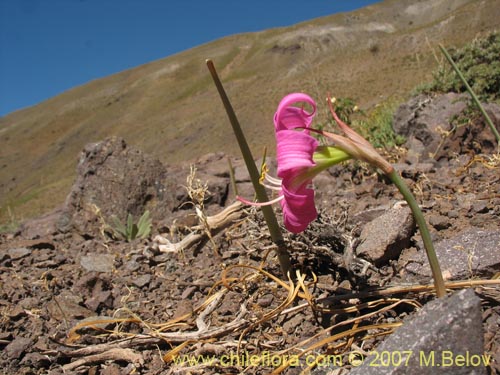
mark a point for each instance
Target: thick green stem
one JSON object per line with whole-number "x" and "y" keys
{"x": 424, "y": 231}
{"x": 472, "y": 94}
{"x": 267, "y": 211}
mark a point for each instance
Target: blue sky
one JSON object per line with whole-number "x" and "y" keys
{"x": 50, "y": 46}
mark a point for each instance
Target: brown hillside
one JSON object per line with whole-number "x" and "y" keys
{"x": 170, "y": 107}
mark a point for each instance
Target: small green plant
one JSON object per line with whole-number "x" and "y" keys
{"x": 11, "y": 225}
{"x": 377, "y": 128}
{"x": 474, "y": 96}
{"x": 345, "y": 108}
{"x": 131, "y": 231}
{"x": 480, "y": 65}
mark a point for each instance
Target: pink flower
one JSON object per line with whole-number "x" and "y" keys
{"x": 289, "y": 117}
{"x": 299, "y": 160}
{"x": 295, "y": 149}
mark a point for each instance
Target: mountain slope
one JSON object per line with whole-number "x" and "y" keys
{"x": 170, "y": 107}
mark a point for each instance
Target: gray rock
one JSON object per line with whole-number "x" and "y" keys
{"x": 426, "y": 123}
{"x": 364, "y": 217}
{"x": 115, "y": 179}
{"x": 444, "y": 337}
{"x": 141, "y": 281}
{"x": 383, "y": 238}
{"x": 414, "y": 169}
{"x": 41, "y": 227}
{"x": 189, "y": 291}
{"x": 67, "y": 306}
{"x": 439, "y": 222}
{"x": 480, "y": 207}
{"x": 474, "y": 252}
{"x": 19, "y": 253}
{"x": 97, "y": 262}
{"x": 132, "y": 265}
{"x": 17, "y": 347}
{"x": 493, "y": 111}
{"x": 422, "y": 120}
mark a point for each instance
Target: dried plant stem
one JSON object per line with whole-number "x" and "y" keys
{"x": 210, "y": 226}
{"x": 424, "y": 231}
{"x": 472, "y": 94}
{"x": 267, "y": 211}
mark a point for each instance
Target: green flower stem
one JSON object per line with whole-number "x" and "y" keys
{"x": 424, "y": 231}
{"x": 472, "y": 94}
{"x": 231, "y": 176}
{"x": 269, "y": 216}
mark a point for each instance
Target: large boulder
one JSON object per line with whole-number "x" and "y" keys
{"x": 444, "y": 337}
{"x": 115, "y": 179}
{"x": 433, "y": 130}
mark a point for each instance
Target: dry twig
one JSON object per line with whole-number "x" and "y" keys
{"x": 212, "y": 224}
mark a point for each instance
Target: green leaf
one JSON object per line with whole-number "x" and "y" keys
{"x": 118, "y": 228}
{"x": 130, "y": 227}
{"x": 144, "y": 225}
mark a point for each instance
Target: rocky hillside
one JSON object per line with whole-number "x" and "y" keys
{"x": 77, "y": 297}
{"x": 170, "y": 108}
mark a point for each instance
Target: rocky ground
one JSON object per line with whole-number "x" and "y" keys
{"x": 73, "y": 299}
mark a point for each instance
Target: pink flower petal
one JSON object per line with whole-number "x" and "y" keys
{"x": 294, "y": 152}
{"x": 290, "y": 117}
{"x": 298, "y": 207}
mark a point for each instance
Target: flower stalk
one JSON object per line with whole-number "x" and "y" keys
{"x": 424, "y": 232}
{"x": 361, "y": 149}
{"x": 260, "y": 192}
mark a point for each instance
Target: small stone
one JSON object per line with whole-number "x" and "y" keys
{"x": 36, "y": 359}
{"x": 17, "y": 347}
{"x": 290, "y": 326}
{"x": 183, "y": 307}
{"x": 19, "y": 253}
{"x": 141, "y": 281}
{"x": 98, "y": 297}
{"x": 480, "y": 207}
{"x": 345, "y": 286}
{"x": 112, "y": 369}
{"x": 385, "y": 237}
{"x": 97, "y": 262}
{"x": 453, "y": 214}
{"x": 16, "y": 312}
{"x": 189, "y": 291}
{"x": 465, "y": 201}
{"x": 473, "y": 252}
{"x": 67, "y": 306}
{"x": 266, "y": 300}
{"x": 132, "y": 266}
{"x": 439, "y": 222}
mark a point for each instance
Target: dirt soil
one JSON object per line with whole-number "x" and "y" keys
{"x": 94, "y": 305}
